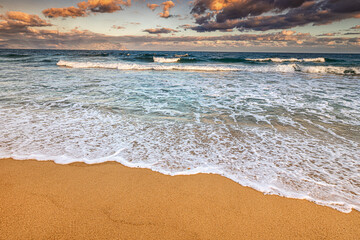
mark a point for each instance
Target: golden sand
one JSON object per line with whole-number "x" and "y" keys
{"x": 42, "y": 200}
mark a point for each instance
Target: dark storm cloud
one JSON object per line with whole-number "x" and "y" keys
{"x": 248, "y": 14}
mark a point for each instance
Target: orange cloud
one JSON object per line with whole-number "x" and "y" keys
{"x": 19, "y": 21}
{"x": 86, "y": 7}
{"x": 166, "y": 9}
{"x": 64, "y": 12}
{"x": 152, "y": 6}
{"x": 104, "y": 6}
{"x": 221, "y": 4}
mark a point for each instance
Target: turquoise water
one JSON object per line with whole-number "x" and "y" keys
{"x": 285, "y": 124}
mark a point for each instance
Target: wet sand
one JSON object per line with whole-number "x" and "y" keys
{"x": 43, "y": 200}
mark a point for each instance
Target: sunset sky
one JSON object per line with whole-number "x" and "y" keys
{"x": 212, "y": 25}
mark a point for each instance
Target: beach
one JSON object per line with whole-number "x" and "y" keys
{"x": 204, "y": 119}
{"x": 179, "y": 145}
{"x": 44, "y": 200}
{"x": 280, "y": 123}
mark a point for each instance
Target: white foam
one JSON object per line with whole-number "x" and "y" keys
{"x": 280, "y": 60}
{"x": 328, "y": 69}
{"x": 165, "y": 60}
{"x": 155, "y": 67}
{"x": 283, "y": 68}
{"x": 243, "y": 154}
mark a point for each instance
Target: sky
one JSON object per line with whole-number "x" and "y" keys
{"x": 198, "y": 25}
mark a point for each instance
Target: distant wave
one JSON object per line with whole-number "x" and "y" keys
{"x": 188, "y": 60}
{"x": 127, "y": 66}
{"x": 94, "y": 54}
{"x": 181, "y": 55}
{"x": 284, "y": 68}
{"x": 286, "y": 59}
{"x": 228, "y": 60}
{"x": 15, "y": 55}
{"x": 165, "y": 60}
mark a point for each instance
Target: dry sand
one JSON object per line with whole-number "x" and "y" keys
{"x": 42, "y": 200}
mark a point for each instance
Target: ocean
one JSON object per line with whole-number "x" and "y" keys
{"x": 282, "y": 123}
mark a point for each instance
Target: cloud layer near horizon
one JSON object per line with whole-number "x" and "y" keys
{"x": 21, "y": 30}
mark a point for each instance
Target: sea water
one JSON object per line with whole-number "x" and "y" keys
{"x": 285, "y": 124}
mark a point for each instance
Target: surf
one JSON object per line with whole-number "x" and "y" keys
{"x": 282, "y": 68}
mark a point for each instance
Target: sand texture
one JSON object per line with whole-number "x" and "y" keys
{"x": 43, "y": 200}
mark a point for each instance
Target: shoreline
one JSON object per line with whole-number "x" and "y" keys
{"x": 45, "y": 200}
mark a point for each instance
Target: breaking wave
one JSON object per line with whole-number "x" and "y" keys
{"x": 328, "y": 69}
{"x": 165, "y": 60}
{"x": 155, "y": 67}
{"x": 280, "y": 60}
{"x": 283, "y": 68}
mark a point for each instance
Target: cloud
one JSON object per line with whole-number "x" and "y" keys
{"x": 22, "y": 30}
{"x": 84, "y": 39}
{"x": 86, "y": 7}
{"x": 326, "y": 35}
{"x": 53, "y": 39}
{"x": 152, "y": 6}
{"x": 232, "y": 9}
{"x": 262, "y": 15}
{"x": 19, "y": 22}
{"x": 166, "y": 9}
{"x": 117, "y": 27}
{"x": 64, "y": 12}
{"x": 352, "y": 33}
{"x": 186, "y": 26}
{"x": 160, "y": 30}
{"x": 14, "y": 18}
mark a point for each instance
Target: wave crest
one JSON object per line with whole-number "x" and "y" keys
{"x": 165, "y": 60}
{"x": 280, "y": 60}
{"x": 328, "y": 69}
{"x": 127, "y": 66}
